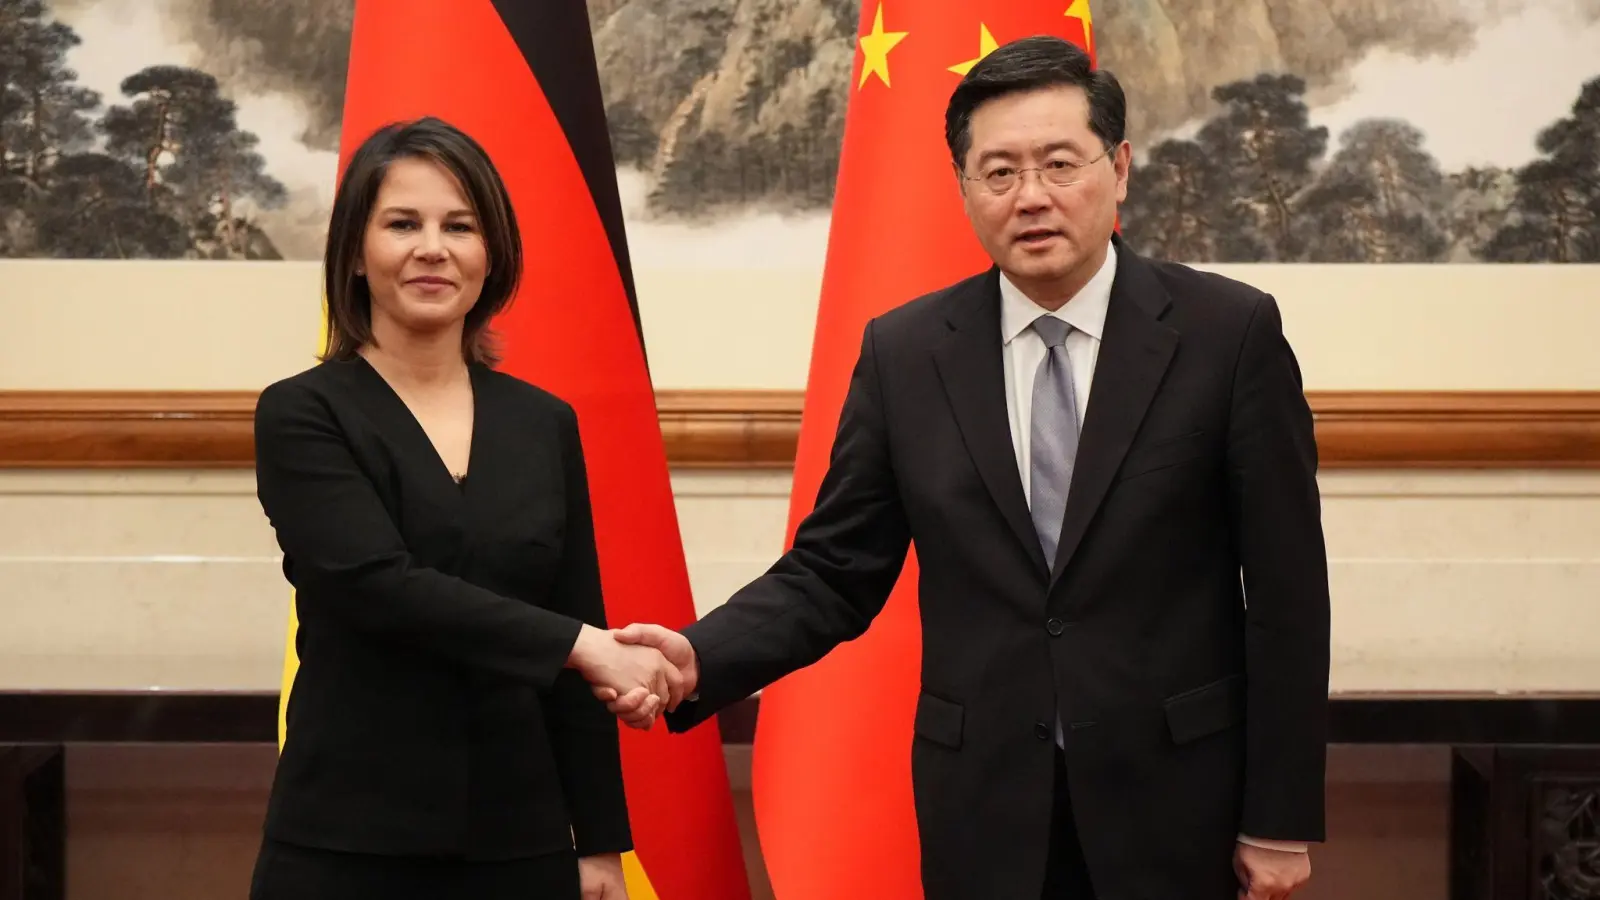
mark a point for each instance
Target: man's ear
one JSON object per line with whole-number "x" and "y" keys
{"x": 1122, "y": 161}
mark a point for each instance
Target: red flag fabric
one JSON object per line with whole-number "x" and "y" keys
{"x": 521, "y": 79}
{"x": 832, "y": 764}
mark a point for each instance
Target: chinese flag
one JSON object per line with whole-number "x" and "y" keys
{"x": 520, "y": 78}
{"x": 832, "y": 766}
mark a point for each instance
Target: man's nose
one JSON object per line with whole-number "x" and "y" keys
{"x": 1031, "y": 191}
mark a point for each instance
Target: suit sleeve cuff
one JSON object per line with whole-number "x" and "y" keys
{"x": 1265, "y": 844}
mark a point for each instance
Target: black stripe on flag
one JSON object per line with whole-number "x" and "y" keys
{"x": 554, "y": 38}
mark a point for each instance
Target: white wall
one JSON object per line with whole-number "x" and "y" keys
{"x": 233, "y": 325}
{"x": 1441, "y": 581}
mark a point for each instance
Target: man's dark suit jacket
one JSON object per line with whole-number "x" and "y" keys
{"x": 431, "y": 714}
{"x": 1193, "y": 705}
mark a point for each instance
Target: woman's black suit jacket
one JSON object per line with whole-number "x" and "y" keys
{"x": 431, "y": 713}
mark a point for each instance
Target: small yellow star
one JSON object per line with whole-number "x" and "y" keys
{"x": 986, "y": 46}
{"x": 875, "y": 49}
{"x": 1080, "y": 10}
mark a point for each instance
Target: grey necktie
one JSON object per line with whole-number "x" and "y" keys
{"x": 1053, "y": 435}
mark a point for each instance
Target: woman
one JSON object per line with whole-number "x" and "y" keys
{"x": 442, "y": 739}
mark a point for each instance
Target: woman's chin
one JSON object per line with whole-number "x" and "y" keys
{"x": 433, "y": 314}
{"x": 430, "y": 322}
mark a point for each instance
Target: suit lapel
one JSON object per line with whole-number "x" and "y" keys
{"x": 1135, "y": 351}
{"x": 970, "y": 366}
{"x": 395, "y": 421}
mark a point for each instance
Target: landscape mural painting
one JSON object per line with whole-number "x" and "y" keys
{"x": 1355, "y": 131}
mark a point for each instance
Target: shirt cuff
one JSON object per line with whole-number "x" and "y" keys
{"x": 1285, "y": 846}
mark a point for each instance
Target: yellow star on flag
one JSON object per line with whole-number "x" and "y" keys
{"x": 1080, "y": 10}
{"x": 986, "y": 46}
{"x": 875, "y": 49}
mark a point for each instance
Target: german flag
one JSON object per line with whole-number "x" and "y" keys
{"x": 832, "y": 776}
{"x": 520, "y": 77}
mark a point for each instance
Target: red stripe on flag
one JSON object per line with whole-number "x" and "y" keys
{"x": 832, "y": 764}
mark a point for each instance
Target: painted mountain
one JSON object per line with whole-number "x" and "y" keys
{"x": 1264, "y": 130}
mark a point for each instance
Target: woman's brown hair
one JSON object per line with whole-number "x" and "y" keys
{"x": 348, "y": 315}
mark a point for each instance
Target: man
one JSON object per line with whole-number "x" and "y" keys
{"x": 1124, "y": 685}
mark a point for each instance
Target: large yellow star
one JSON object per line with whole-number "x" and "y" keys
{"x": 875, "y": 49}
{"x": 1080, "y": 10}
{"x": 986, "y": 46}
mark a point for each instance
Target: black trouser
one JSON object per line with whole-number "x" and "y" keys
{"x": 285, "y": 872}
{"x": 1066, "y": 873}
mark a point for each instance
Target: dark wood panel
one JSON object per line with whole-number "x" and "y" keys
{"x": 760, "y": 429}
{"x": 33, "y": 832}
{"x": 1525, "y": 823}
{"x": 168, "y": 716}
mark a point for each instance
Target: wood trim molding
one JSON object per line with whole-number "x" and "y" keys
{"x": 730, "y": 429}
{"x": 760, "y": 429}
{"x": 1458, "y": 429}
{"x": 126, "y": 429}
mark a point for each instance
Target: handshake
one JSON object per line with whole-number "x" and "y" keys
{"x": 639, "y": 671}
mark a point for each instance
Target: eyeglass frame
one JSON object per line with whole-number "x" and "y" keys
{"x": 1043, "y": 179}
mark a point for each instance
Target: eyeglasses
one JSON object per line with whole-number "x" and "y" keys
{"x": 1059, "y": 172}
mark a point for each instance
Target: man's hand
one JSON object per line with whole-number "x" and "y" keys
{"x": 1269, "y": 874}
{"x": 640, "y": 675}
{"x": 677, "y": 650}
{"x": 600, "y": 877}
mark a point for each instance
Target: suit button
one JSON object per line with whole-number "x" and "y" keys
{"x": 1042, "y": 731}
{"x": 1055, "y": 627}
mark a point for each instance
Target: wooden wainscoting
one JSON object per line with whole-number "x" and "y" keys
{"x": 759, "y": 429}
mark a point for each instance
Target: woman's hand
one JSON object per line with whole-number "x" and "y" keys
{"x": 601, "y": 877}
{"x": 616, "y": 669}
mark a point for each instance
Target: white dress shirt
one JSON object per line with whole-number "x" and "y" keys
{"x": 1024, "y": 350}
